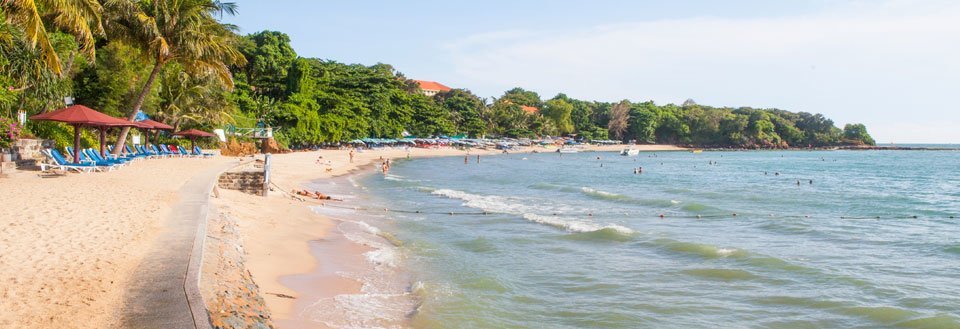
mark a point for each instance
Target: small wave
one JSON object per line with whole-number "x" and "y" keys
{"x": 604, "y": 195}
{"x": 881, "y": 314}
{"x": 604, "y": 234}
{"x": 394, "y": 178}
{"x": 478, "y": 245}
{"x": 506, "y": 205}
{"x": 702, "y": 250}
{"x": 576, "y": 226}
{"x": 952, "y": 249}
{"x": 383, "y": 254}
{"x": 722, "y": 274}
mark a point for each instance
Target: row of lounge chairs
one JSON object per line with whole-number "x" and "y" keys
{"x": 91, "y": 160}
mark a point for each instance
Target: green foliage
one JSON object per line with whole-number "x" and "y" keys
{"x": 521, "y": 96}
{"x": 62, "y": 134}
{"x": 466, "y": 110}
{"x": 269, "y": 57}
{"x": 857, "y": 134}
{"x": 559, "y": 112}
{"x": 113, "y": 84}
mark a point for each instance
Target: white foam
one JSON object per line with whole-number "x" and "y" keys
{"x": 574, "y": 225}
{"x": 726, "y": 251}
{"x": 599, "y": 192}
{"x": 529, "y": 210}
{"x": 395, "y": 178}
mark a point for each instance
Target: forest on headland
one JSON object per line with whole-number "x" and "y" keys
{"x": 177, "y": 62}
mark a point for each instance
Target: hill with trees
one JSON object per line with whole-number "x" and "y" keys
{"x": 185, "y": 67}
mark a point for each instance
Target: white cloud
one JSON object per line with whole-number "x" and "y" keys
{"x": 893, "y": 63}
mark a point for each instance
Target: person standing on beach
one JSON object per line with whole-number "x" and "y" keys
{"x": 351, "y": 155}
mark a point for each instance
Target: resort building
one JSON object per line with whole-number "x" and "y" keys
{"x": 431, "y": 88}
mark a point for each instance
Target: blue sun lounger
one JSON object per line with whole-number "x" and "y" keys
{"x": 100, "y": 160}
{"x": 197, "y": 151}
{"x": 160, "y": 151}
{"x": 59, "y": 162}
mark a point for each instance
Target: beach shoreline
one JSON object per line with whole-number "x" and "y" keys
{"x": 283, "y": 255}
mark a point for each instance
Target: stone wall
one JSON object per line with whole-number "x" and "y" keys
{"x": 232, "y": 298}
{"x": 27, "y": 153}
{"x": 250, "y": 182}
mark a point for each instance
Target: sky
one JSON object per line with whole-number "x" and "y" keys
{"x": 891, "y": 65}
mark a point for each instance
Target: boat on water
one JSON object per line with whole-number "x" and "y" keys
{"x": 629, "y": 152}
{"x": 567, "y": 150}
{"x": 696, "y": 151}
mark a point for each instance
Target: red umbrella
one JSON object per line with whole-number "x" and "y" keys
{"x": 78, "y": 116}
{"x": 193, "y": 134}
{"x": 154, "y": 125}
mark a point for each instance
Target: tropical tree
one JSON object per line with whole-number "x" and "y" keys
{"x": 619, "y": 119}
{"x": 558, "y": 111}
{"x": 186, "y": 32}
{"x": 80, "y": 18}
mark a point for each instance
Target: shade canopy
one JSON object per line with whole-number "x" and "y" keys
{"x": 194, "y": 133}
{"x": 79, "y": 115}
{"x": 83, "y": 116}
{"x": 156, "y": 125}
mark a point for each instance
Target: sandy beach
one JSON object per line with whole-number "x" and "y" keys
{"x": 68, "y": 245}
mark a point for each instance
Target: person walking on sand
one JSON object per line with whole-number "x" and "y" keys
{"x": 351, "y": 156}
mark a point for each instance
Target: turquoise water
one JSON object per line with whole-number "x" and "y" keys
{"x": 544, "y": 241}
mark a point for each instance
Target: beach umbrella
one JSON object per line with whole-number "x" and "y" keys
{"x": 193, "y": 134}
{"x": 79, "y": 116}
{"x": 153, "y": 125}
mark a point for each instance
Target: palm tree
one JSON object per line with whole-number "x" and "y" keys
{"x": 186, "y": 32}
{"x": 81, "y": 18}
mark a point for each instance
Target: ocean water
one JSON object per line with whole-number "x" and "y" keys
{"x": 761, "y": 239}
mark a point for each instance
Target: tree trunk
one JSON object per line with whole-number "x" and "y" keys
{"x": 122, "y": 139}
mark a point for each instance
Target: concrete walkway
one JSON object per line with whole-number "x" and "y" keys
{"x": 165, "y": 290}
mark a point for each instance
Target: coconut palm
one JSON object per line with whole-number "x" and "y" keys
{"x": 81, "y": 18}
{"x": 186, "y": 32}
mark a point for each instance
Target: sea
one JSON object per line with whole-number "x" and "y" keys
{"x": 734, "y": 239}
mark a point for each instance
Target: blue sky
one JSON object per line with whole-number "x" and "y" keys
{"x": 891, "y": 65}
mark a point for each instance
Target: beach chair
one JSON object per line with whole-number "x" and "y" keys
{"x": 197, "y": 151}
{"x": 134, "y": 154}
{"x": 160, "y": 151}
{"x": 94, "y": 157}
{"x": 137, "y": 152}
{"x": 94, "y": 154}
{"x": 123, "y": 155}
{"x": 176, "y": 149}
{"x": 59, "y": 162}
{"x": 166, "y": 150}
{"x": 185, "y": 153}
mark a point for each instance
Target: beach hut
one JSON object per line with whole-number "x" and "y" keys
{"x": 193, "y": 134}
{"x": 80, "y": 116}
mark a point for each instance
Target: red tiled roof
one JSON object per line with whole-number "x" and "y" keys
{"x": 432, "y": 85}
{"x": 529, "y": 109}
